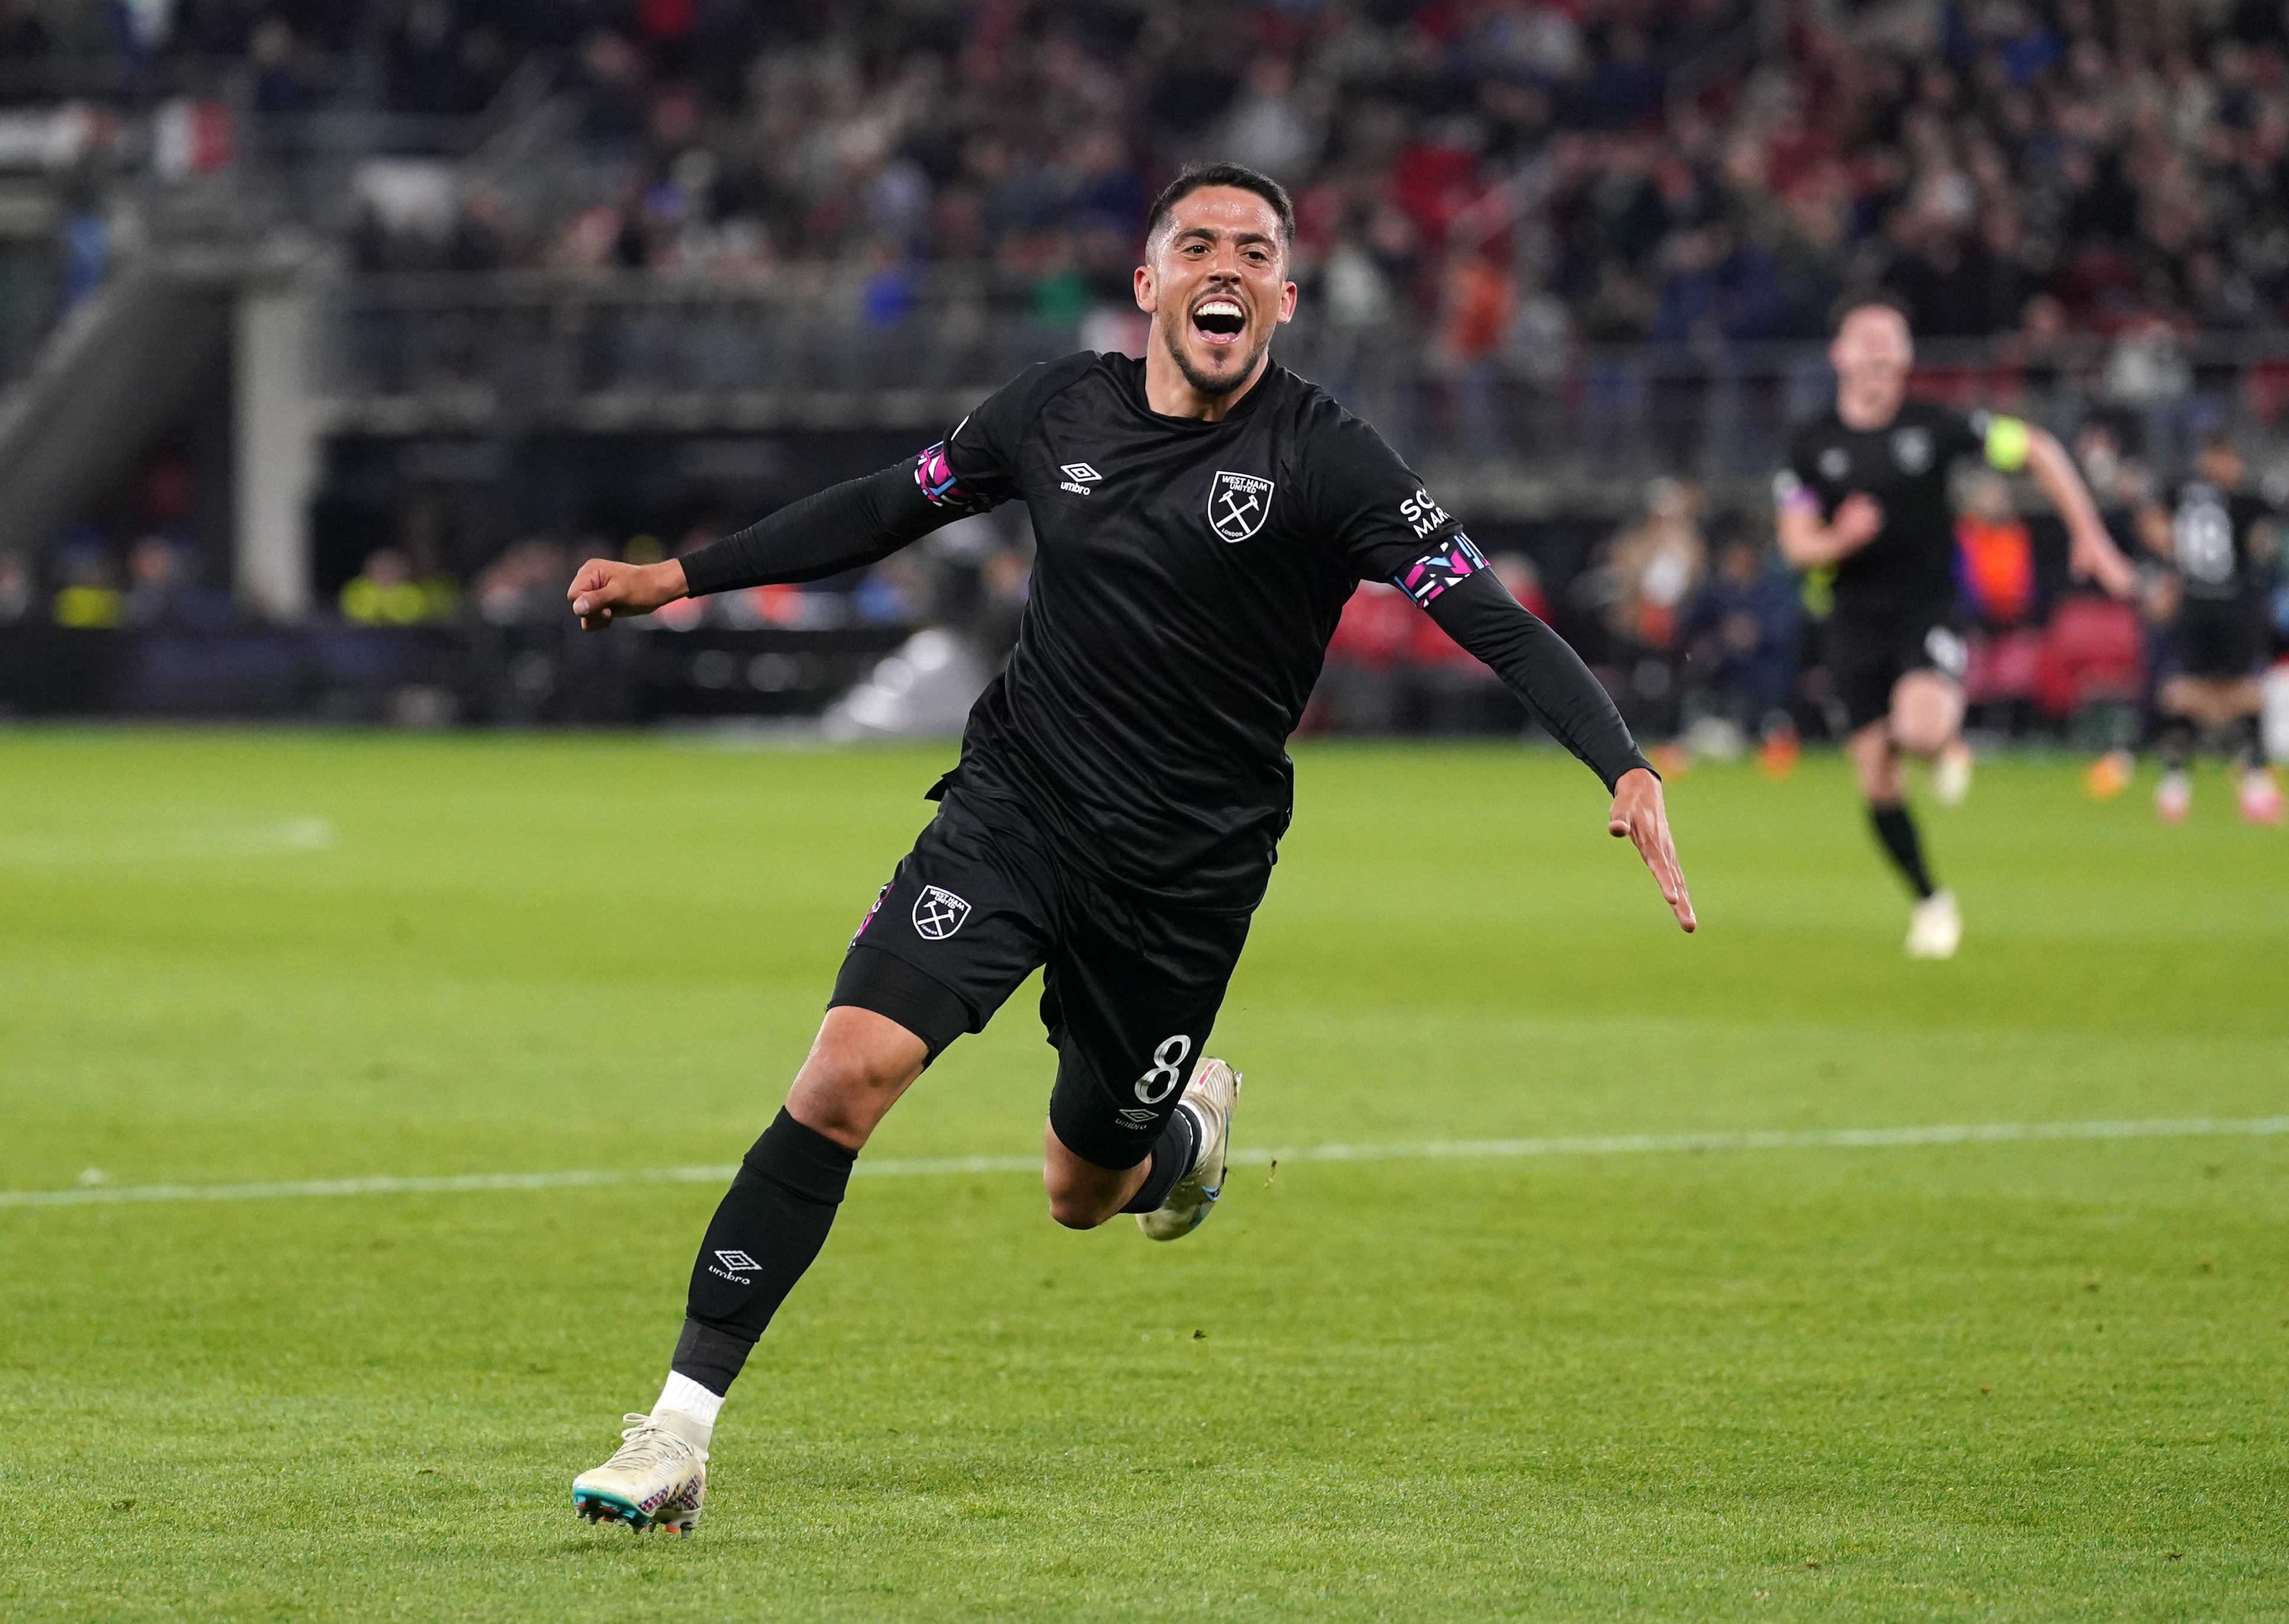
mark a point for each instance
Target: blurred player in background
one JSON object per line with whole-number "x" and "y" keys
{"x": 1200, "y": 516}
{"x": 2221, "y": 544}
{"x": 1864, "y": 499}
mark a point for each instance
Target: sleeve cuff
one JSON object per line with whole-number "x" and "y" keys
{"x": 1636, "y": 760}
{"x": 708, "y": 569}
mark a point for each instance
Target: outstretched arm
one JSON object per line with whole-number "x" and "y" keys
{"x": 859, "y": 522}
{"x": 1542, "y": 669}
{"x": 2091, "y": 551}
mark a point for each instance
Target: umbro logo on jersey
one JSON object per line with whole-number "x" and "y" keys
{"x": 1238, "y": 504}
{"x": 938, "y": 913}
{"x": 1078, "y": 476}
{"x": 1911, "y": 449}
{"x": 1835, "y": 463}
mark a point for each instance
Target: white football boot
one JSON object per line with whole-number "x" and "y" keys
{"x": 2174, "y": 798}
{"x": 1214, "y": 1090}
{"x": 1950, "y": 773}
{"x": 2259, "y": 796}
{"x": 656, "y": 1479}
{"x": 1935, "y": 930}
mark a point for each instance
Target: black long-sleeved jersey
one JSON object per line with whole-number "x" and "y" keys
{"x": 1187, "y": 577}
{"x": 1909, "y": 565}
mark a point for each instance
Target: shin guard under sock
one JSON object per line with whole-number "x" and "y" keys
{"x": 1173, "y": 1156}
{"x": 1898, "y": 833}
{"x": 770, "y": 1225}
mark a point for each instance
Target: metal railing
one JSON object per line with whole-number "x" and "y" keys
{"x": 1527, "y": 431}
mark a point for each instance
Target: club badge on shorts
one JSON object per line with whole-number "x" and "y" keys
{"x": 938, "y": 913}
{"x": 1238, "y": 504}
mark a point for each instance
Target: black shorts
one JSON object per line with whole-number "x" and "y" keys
{"x": 2215, "y": 641}
{"x": 1868, "y": 653}
{"x": 1130, "y": 993}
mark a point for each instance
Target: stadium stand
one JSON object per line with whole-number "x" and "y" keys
{"x": 541, "y": 276}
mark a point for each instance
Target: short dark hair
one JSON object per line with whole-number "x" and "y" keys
{"x": 1868, "y": 299}
{"x": 1194, "y": 177}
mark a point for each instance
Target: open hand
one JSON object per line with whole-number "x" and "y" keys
{"x": 603, "y": 590}
{"x": 1639, "y": 814}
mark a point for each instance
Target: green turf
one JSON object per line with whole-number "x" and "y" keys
{"x": 2037, "y": 1381}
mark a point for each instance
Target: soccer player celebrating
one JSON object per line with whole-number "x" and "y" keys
{"x": 1200, "y": 516}
{"x": 2220, "y": 542}
{"x": 1864, "y": 500}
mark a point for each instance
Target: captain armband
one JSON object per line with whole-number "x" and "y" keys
{"x": 1435, "y": 571}
{"x": 1791, "y": 495}
{"x": 2007, "y": 441}
{"x": 941, "y": 488}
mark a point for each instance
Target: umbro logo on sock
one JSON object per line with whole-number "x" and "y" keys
{"x": 735, "y": 1263}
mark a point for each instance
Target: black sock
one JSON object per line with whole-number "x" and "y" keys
{"x": 2178, "y": 739}
{"x": 2249, "y": 744}
{"x": 772, "y": 1223}
{"x": 1897, "y": 831}
{"x": 1173, "y": 1155}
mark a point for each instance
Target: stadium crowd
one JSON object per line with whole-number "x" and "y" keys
{"x": 1498, "y": 177}
{"x": 1608, "y": 169}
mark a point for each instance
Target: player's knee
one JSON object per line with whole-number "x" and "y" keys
{"x": 1075, "y": 1203}
{"x": 1922, "y": 733}
{"x": 846, "y": 1095}
{"x": 1075, "y": 1211}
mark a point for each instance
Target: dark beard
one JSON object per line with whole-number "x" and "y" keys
{"x": 1213, "y": 389}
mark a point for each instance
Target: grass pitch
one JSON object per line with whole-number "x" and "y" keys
{"x": 2029, "y": 1380}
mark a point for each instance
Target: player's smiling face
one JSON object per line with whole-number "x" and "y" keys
{"x": 1216, "y": 286}
{"x": 1872, "y": 354}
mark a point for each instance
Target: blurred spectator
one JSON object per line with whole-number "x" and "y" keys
{"x": 1650, "y": 570}
{"x": 1740, "y": 634}
{"x": 1994, "y": 555}
{"x": 525, "y": 585}
{"x": 15, "y": 588}
{"x": 90, "y": 599}
{"x": 388, "y": 593}
{"x": 160, "y": 591}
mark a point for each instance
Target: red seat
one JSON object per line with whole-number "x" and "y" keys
{"x": 2005, "y": 666}
{"x": 2094, "y": 650}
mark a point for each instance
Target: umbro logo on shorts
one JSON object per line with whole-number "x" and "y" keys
{"x": 938, "y": 913}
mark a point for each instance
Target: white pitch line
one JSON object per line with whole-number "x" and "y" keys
{"x": 1434, "y": 1150}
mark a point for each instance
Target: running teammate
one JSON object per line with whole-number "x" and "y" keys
{"x": 1200, "y": 516}
{"x": 1864, "y": 500}
{"x": 2220, "y": 543}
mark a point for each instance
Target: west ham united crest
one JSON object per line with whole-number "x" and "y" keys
{"x": 938, "y": 913}
{"x": 1238, "y": 504}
